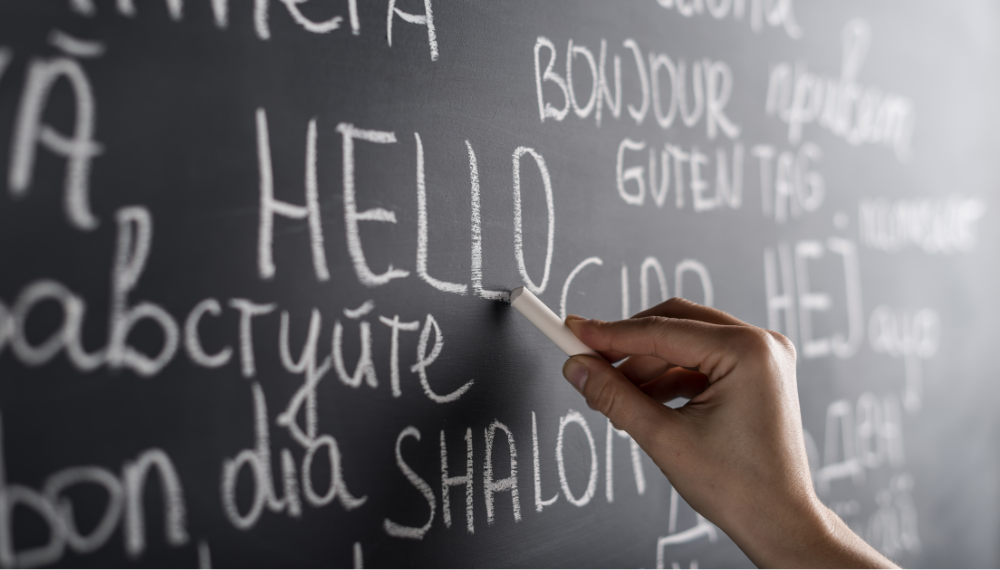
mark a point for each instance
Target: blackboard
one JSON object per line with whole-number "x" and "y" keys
{"x": 254, "y": 256}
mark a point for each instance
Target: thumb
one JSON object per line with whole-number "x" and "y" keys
{"x": 628, "y": 408}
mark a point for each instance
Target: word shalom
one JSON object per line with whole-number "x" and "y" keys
{"x": 573, "y": 432}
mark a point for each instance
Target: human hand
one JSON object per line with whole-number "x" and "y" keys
{"x": 735, "y": 452}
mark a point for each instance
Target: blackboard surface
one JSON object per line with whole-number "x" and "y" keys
{"x": 253, "y": 255}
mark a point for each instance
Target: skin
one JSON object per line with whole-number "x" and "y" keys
{"x": 735, "y": 452}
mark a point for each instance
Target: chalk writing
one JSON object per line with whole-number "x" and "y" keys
{"x": 262, "y": 272}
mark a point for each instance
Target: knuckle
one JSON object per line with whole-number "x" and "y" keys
{"x": 653, "y": 333}
{"x": 785, "y": 343}
{"x": 676, "y": 305}
{"x": 594, "y": 332}
{"x": 765, "y": 351}
{"x": 651, "y": 322}
{"x": 752, "y": 341}
{"x": 659, "y": 338}
{"x": 677, "y": 302}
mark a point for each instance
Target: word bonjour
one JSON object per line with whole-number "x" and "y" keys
{"x": 711, "y": 83}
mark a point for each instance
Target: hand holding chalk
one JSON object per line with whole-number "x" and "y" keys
{"x": 548, "y": 322}
{"x": 735, "y": 451}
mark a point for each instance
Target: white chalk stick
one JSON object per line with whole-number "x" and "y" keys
{"x": 548, "y": 322}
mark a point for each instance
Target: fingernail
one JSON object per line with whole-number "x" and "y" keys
{"x": 576, "y": 372}
{"x": 575, "y": 318}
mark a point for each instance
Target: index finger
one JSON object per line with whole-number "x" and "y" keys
{"x": 680, "y": 308}
{"x": 710, "y": 348}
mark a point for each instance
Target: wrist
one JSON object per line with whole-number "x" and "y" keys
{"x": 806, "y": 533}
{"x": 785, "y": 535}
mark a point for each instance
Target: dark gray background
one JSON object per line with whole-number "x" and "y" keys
{"x": 175, "y": 113}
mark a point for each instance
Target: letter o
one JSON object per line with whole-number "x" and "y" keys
{"x": 518, "y": 236}
{"x": 577, "y": 418}
{"x": 57, "y": 483}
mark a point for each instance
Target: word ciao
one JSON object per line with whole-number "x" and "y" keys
{"x": 841, "y": 105}
{"x": 262, "y": 11}
{"x": 942, "y": 225}
{"x": 711, "y": 83}
{"x": 652, "y": 279}
{"x": 123, "y": 507}
{"x": 772, "y": 12}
